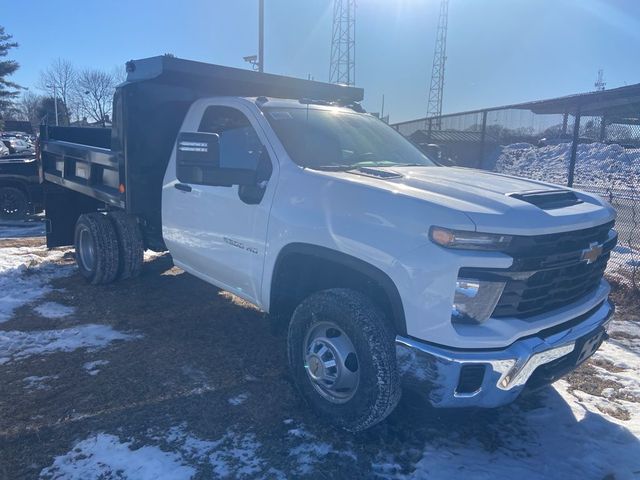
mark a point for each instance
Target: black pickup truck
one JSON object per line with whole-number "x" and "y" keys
{"x": 20, "y": 187}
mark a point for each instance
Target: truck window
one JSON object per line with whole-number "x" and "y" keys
{"x": 240, "y": 146}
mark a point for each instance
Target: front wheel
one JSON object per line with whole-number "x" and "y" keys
{"x": 342, "y": 356}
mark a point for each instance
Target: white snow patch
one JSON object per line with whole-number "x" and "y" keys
{"x": 92, "y": 367}
{"x": 25, "y": 273}
{"x": 54, "y": 310}
{"x": 17, "y": 345}
{"x": 308, "y": 453}
{"x": 238, "y": 399}
{"x": 233, "y": 455}
{"x": 38, "y": 383}
{"x": 104, "y": 456}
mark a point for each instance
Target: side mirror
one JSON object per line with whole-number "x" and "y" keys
{"x": 198, "y": 162}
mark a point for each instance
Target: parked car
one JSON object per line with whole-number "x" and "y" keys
{"x": 20, "y": 188}
{"x": 17, "y": 145}
{"x": 388, "y": 269}
{"x": 4, "y": 150}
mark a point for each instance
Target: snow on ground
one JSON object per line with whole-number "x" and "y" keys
{"x": 234, "y": 455}
{"x": 54, "y": 310}
{"x": 27, "y": 228}
{"x": 92, "y": 367}
{"x": 38, "y": 383}
{"x": 104, "y": 456}
{"x": 624, "y": 261}
{"x": 596, "y": 164}
{"x": 17, "y": 345}
{"x": 25, "y": 273}
{"x": 238, "y": 399}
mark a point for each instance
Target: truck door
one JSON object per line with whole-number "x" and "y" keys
{"x": 218, "y": 233}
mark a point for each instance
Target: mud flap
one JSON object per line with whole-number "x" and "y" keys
{"x": 62, "y": 209}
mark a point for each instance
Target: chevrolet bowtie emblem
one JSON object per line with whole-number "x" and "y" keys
{"x": 592, "y": 253}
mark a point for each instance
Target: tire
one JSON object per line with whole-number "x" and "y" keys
{"x": 130, "y": 244}
{"x": 14, "y": 204}
{"x": 96, "y": 245}
{"x": 335, "y": 313}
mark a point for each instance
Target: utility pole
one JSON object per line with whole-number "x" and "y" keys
{"x": 436, "y": 88}
{"x": 261, "y": 36}
{"x": 257, "y": 61}
{"x": 55, "y": 100}
{"x": 342, "y": 68}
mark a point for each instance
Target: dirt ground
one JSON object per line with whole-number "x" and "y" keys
{"x": 204, "y": 362}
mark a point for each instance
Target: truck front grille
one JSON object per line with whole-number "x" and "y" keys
{"x": 549, "y": 271}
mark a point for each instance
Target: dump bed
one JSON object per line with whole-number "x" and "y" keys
{"x": 124, "y": 166}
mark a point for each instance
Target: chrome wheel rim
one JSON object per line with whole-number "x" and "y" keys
{"x": 331, "y": 362}
{"x": 87, "y": 251}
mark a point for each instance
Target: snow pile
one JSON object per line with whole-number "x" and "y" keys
{"x": 596, "y": 164}
{"x": 105, "y": 456}
{"x": 16, "y": 345}
{"x": 25, "y": 273}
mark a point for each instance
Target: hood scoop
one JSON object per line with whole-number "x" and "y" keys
{"x": 376, "y": 173}
{"x": 548, "y": 199}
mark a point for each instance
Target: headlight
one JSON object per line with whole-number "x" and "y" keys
{"x": 475, "y": 300}
{"x": 468, "y": 240}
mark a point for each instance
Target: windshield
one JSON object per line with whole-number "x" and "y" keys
{"x": 335, "y": 139}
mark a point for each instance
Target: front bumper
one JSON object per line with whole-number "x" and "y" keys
{"x": 495, "y": 377}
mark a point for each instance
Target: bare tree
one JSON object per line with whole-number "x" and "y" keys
{"x": 95, "y": 90}
{"x": 119, "y": 73}
{"x": 29, "y": 106}
{"x": 59, "y": 80}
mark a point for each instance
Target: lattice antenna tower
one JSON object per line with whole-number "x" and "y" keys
{"x": 434, "y": 105}
{"x": 343, "y": 43}
{"x": 600, "y": 83}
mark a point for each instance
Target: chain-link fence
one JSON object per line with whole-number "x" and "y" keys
{"x": 598, "y": 153}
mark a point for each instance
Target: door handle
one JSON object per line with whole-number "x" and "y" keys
{"x": 183, "y": 186}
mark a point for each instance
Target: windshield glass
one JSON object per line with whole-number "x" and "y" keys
{"x": 335, "y": 139}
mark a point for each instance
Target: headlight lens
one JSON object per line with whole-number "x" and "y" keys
{"x": 469, "y": 240}
{"x": 475, "y": 300}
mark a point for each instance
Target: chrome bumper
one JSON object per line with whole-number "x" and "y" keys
{"x": 437, "y": 370}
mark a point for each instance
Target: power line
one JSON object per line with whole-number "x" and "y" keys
{"x": 343, "y": 43}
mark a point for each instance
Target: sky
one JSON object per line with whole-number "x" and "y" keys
{"x": 498, "y": 51}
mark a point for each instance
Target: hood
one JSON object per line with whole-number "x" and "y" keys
{"x": 496, "y": 203}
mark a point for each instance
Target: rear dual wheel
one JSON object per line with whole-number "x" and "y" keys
{"x": 108, "y": 247}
